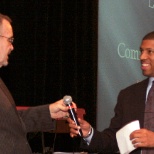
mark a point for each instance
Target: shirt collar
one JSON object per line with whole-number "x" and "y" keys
{"x": 151, "y": 79}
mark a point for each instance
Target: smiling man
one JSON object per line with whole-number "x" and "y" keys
{"x": 133, "y": 103}
{"x": 147, "y": 55}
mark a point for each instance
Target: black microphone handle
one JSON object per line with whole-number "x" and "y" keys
{"x": 73, "y": 116}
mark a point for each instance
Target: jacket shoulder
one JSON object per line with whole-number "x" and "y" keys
{"x": 138, "y": 85}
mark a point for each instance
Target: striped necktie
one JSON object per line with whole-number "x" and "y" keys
{"x": 149, "y": 116}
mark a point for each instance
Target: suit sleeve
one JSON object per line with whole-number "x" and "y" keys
{"x": 105, "y": 141}
{"x": 130, "y": 106}
{"x": 37, "y": 119}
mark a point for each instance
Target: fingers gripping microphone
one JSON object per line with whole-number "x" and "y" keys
{"x": 72, "y": 113}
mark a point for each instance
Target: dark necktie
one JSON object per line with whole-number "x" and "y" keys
{"x": 149, "y": 116}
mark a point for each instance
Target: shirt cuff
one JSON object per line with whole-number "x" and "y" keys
{"x": 89, "y": 137}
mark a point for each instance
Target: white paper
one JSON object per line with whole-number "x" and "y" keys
{"x": 123, "y": 137}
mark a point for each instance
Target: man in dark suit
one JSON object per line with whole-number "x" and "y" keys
{"x": 14, "y": 124}
{"x": 130, "y": 106}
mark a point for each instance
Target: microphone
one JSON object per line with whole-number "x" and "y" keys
{"x": 68, "y": 102}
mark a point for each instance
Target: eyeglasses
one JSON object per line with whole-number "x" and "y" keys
{"x": 10, "y": 39}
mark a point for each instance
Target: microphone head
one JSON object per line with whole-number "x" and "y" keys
{"x": 67, "y": 100}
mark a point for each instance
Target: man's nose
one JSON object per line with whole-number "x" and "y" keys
{"x": 12, "y": 47}
{"x": 143, "y": 55}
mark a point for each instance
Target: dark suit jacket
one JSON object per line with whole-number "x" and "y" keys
{"x": 130, "y": 106}
{"x": 14, "y": 124}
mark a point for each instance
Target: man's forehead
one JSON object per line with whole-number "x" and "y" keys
{"x": 6, "y": 27}
{"x": 147, "y": 44}
{"x": 149, "y": 41}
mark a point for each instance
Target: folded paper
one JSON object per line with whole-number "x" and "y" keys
{"x": 123, "y": 137}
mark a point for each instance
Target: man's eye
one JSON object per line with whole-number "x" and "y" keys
{"x": 150, "y": 51}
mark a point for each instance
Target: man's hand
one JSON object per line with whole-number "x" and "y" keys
{"x": 84, "y": 125}
{"x": 59, "y": 109}
{"x": 142, "y": 138}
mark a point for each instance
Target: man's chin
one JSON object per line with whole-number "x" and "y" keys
{"x": 146, "y": 74}
{"x": 3, "y": 64}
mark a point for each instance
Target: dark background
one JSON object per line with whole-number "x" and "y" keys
{"x": 55, "y": 54}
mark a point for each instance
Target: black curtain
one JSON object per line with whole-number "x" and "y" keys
{"x": 55, "y": 52}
